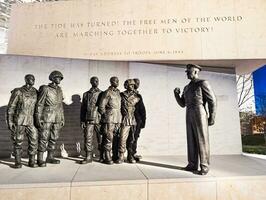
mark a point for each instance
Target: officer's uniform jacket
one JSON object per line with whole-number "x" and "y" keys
{"x": 21, "y": 106}
{"x": 49, "y": 107}
{"x": 140, "y": 112}
{"x": 198, "y": 93}
{"x": 110, "y": 106}
{"x": 128, "y": 103}
{"x": 89, "y": 107}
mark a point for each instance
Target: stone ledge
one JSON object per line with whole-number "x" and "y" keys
{"x": 231, "y": 177}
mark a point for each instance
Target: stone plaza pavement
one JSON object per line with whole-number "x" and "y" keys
{"x": 235, "y": 177}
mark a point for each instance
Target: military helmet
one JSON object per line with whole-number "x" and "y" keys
{"x": 55, "y": 74}
{"x": 130, "y": 82}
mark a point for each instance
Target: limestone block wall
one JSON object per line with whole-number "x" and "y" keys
{"x": 165, "y": 132}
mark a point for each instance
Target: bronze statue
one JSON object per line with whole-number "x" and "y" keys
{"x": 129, "y": 99}
{"x": 110, "y": 110}
{"x": 49, "y": 117}
{"x": 20, "y": 119}
{"x": 90, "y": 119}
{"x": 195, "y": 96}
{"x": 140, "y": 115}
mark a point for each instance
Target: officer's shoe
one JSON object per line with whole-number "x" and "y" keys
{"x": 32, "y": 161}
{"x": 50, "y": 158}
{"x": 204, "y": 171}
{"x": 190, "y": 168}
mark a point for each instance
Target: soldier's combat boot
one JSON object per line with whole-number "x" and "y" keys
{"x": 101, "y": 158}
{"x": 50, "y": 158}
{"x": 87, "y": 159}
{"x": 137, "y": 157}
{"x": 17, "y": 159}
{"x": 32, "y": 161}
{"x": 120, "y": 159}
{"x": 108, "y": 160}
{"x": 40, "y": 160}
{"x": 130, "y": 158}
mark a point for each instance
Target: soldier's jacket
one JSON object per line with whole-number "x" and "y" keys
{"x": 128, "y": 103}
{"x": 89, "y": 108}
{"x": 21, "y": 106}
{"x": 198, "y": 93}
{"x": 49, "y": 107}
{"x": 140, "y": 111}
{"x": 110, "y": 106}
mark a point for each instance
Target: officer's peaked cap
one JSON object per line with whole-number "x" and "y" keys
{"x": 55, "y": 74}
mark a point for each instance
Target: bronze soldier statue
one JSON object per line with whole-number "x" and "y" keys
{"x": 129, "y": 99}
{"x": 49, "y": 117}
{"x": 110, "y": 110}
{"x": 140, "y": 115}
{"x": 195, "y": 96}
{"x": 20, "y": 119}
{"x": 90, "y": 119}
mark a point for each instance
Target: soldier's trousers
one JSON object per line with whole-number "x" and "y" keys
{"x": 88, "y": 136}
{"x": 48, "y": 136}
{"x": 18, "y": 136}
{"x": 110, "y": 130}
{"x": 126, "y": 139}
{"x": 136, "y": 137}
{"x": 197, "y": 136}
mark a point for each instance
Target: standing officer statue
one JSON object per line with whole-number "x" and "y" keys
{"x": 49, "y": 117}
{"x": 140, "y": 115}
{"x": 129, "y": 99}
{"x": 90, "y": 119}
{"x": 20, "y": 119}
{"x": 195, "y": 96}
{"x": 110, "y": 110}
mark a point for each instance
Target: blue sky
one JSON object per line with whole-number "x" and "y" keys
{"x": 259, "y": 78}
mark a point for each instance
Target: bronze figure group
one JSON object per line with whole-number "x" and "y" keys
{"x": 29, "y": 110}
{"x": 111, "y": 115}
{"x": 115, "y": 117}
{"x": 40, "y": 115}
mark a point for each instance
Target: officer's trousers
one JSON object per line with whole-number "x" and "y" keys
{"x": 48, "y": 135}
{"x": 18, "y": 136}
{"x": 197, "y": 136}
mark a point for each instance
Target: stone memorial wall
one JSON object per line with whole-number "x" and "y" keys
{"x": 140, "y": 29}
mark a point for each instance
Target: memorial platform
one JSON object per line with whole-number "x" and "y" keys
{"x": 154, "y": 178}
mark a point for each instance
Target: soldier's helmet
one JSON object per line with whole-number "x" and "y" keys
{"x": 55, "y": 74}
{"x": 130, "y": 82}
